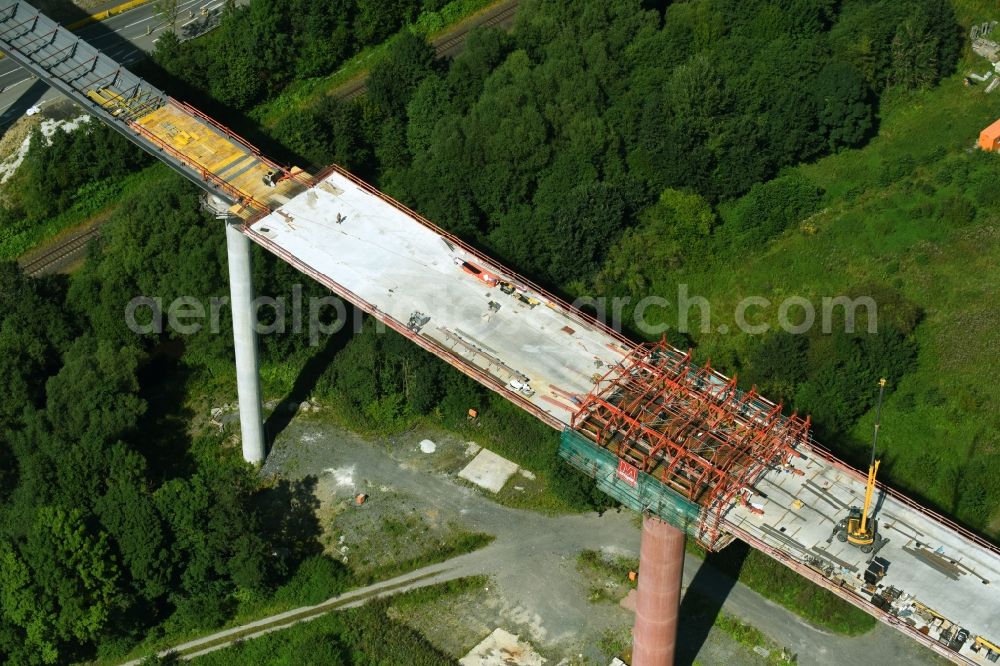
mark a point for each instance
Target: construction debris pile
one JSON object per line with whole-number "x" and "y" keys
{"x": 989, "y": 49}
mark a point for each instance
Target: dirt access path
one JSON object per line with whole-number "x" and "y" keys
{"x": 532, "y": 561}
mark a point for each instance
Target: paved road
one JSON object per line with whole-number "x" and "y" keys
{"x": 532, "y": 561}
{"x": 126, "y": 37}
{"x": 516, "y": 557}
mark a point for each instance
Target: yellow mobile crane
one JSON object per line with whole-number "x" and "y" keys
{"x": 860, "y": 528}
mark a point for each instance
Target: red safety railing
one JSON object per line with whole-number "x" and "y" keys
{"x": 289, "y": 172}
{"x": 206, "y": 175}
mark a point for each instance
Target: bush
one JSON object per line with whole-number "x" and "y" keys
{"x": 956, "y": 211}
{"x": 71, "y": 168}
{"x": 845, "y": 111}
{"x": 843, "y": 380}
{"x": 317, "y": 579}
{"x": 778, "y": 364}
{"x": 206, "y": 610}
{"x": 770, "y": 208}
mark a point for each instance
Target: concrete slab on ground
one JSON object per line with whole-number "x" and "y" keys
{"x": 488, "y": 470}
{"x": 502, "y": 648}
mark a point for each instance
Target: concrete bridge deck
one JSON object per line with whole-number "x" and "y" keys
{"x": 385, "y": 261}
{"x": 392, "y": 263}
{"x": 508, "y": 334}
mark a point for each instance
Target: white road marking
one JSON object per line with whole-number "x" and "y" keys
{"x": 42, "y": 102}
{"x": 150, "y": 18}
{"x": 204, "y": 10}
{"x": 16, "y": 83}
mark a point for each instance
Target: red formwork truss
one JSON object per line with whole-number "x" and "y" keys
{"x": 690, "y": 428}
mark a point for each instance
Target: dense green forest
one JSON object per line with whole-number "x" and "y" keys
{"x": 543, "y": 146}
{"x": 602, "y": 148}
{"x": 261, "y": 47}
{"x": 114, "y": 518}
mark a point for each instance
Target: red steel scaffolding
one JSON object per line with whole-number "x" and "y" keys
{"x": 690, "y": 428}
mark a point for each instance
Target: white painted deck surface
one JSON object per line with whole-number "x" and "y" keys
{"x": 394, "y": 262}
{"x": 401, "y": 266}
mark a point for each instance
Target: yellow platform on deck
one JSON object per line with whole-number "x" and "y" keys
{"x": 208, "y": 149}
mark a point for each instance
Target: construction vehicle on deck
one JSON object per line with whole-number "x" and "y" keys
{"x": 991, "y": 651}
{"x": 860, "y": 528}
{"x": 519, "y": 294}
{"x": 521, "y": 385}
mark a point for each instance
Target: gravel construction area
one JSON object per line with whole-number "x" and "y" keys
{"x": 537, "y": 588}
{"x": 535, "y": 591}
{"x": 393, "y": 522}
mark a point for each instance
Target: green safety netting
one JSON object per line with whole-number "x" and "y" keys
{"x": 648, "y": 494}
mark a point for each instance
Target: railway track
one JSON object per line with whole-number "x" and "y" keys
{"x": 65, "y": 252}
{"x": 504, "y": 15}
{"x": 353, "y": 89}
{"x": 444, "y": 47}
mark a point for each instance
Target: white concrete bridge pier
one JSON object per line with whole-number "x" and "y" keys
{"x": 245, "y": 342}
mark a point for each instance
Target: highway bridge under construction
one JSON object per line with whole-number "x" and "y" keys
{"x": 677, "y": 441}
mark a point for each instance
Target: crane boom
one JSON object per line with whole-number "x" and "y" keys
{"x": 869, "y": 492}
{"x": 859, "y": 528}
{"x": 873, "y": 466}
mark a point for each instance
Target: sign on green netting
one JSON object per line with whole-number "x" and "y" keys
{"x": 627, "y": 484}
